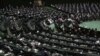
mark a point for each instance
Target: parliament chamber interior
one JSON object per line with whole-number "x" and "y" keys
{"x": 49, "y": 28}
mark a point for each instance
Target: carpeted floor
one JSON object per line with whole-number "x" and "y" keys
{"x": 91, "y": 25}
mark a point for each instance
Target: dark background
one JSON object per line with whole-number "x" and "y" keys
{"x": 4, "y": 3}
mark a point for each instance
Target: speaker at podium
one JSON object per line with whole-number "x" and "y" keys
{"x": 38, "y": 2}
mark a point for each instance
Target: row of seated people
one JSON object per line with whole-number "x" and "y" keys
{"x": 15, "y": 23}
{"x": 83, "y": 10}
{"x": 51, "y": 44}
{"x": 79, "y": 7}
